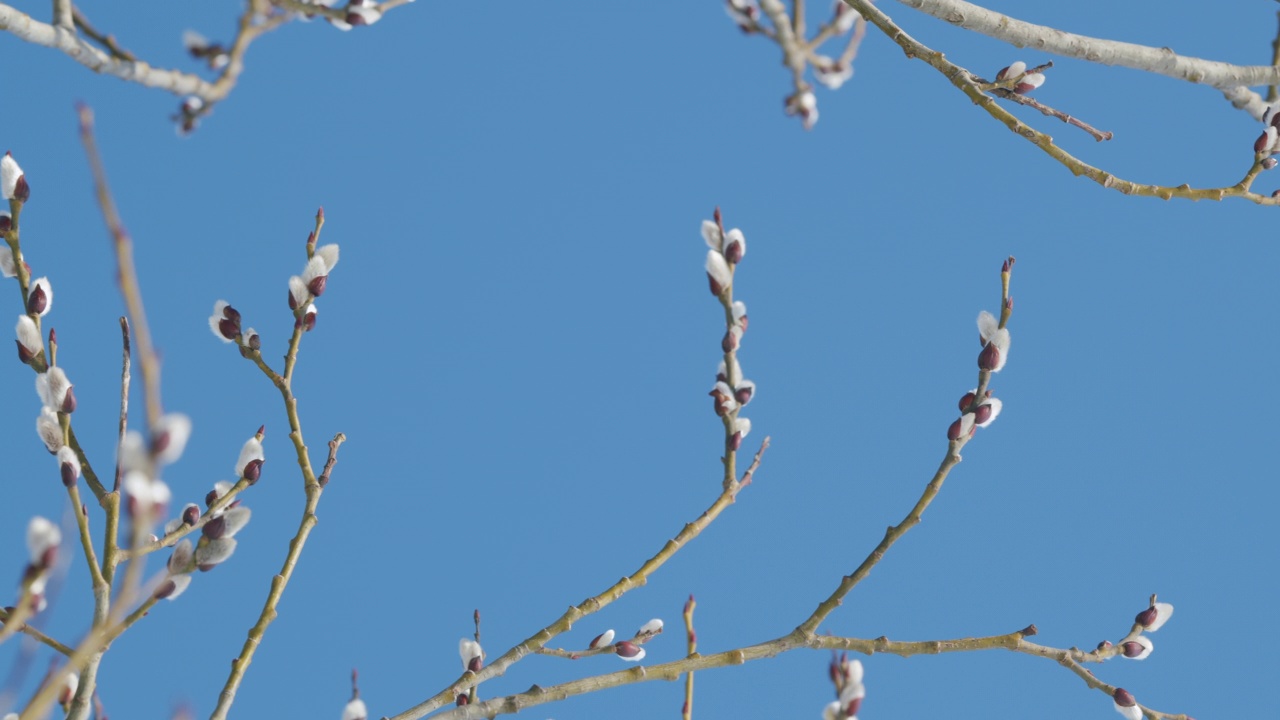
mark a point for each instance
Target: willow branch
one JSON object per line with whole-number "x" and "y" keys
{"x": 964, "y": 81}
{"x": 108, "y": 42}
{"x": 34, "y": 633}
{"x": 1161, "y": 61}
{"x": 1072, "y": 659}
{"x": 241, "y": 663}
{"x": 591, "y": 605}
{"x": 126, "y": 272}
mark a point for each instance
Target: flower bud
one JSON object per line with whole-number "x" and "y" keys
{"x": 629, "y": 651}
{"x": 471, "y": 653}
{"x": 68, "y": 465}
{"x": 11, "y": 177}
{"x": 1137, "y": 649}
{"x": 718, "y": 273}
{"x": 225, "y": 322}
{"x": 1126, "y": 705}
{"x": 1265, "y": 140}
{"x": 735, "y": 246}
{"x": 1154, "y": 617}
{"x": 40, "y": 297}
{"x": 601, "y": 640}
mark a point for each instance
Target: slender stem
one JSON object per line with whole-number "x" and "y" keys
{"x": 148, "y": 361}
{"x": 34, "y": 633}
{"x": 125, "y": 374}
{"x": 963, "y": 80}
{"x": 539, "y": 639}
{"x": 686, "y": 712}
{"x": 278, "y": 583}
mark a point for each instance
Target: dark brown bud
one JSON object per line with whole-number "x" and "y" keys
{"x": 22, "y": 190}
{"x": 316, "y": 286}
{"x": 1124, "y": 698}
{"x": 23, "y": 356}
{"x": 1146, "y": 617}
{"x": 627, "y": 649}
{"x": 69, "y": 402}
{"x": 252, "y": 471}
{"x": 981, "y": 414}
{"x": 953, "y": 432}
{"x": 475, "y": 664}
{"x": 733, "y": 253}
{"x": 70, "y": 474}
{"x": 1132, "y": 649}
{"x": 463, "y": 699}
{"x": 215, "y": 528}
{"x": 1000, "y": 75}
{"x": 308, "y": 322}
{"x": 293, "y": 302}
{"x": 966, "y": 401}
{"x": 715, "y": 286}
{"x": 229, "y": 329}
{"x": 166, "y": 589}
{"x": 729, "y": 342}
{"x": 37, "y": 301}
{"x": 743, "y": 394}
{"x": 190, "y": 515}
{"x": 989, "y": 358}
{"x": 5, "y": 223}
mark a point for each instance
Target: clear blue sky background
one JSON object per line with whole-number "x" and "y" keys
{"x": 518, "y": 343}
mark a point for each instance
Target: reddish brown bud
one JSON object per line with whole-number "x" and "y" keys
{"x": 463, "y": 699}
{"x": 191, "y": 515}
{"x": 37, "y": 301}
{"x": 252, "y": 471}
{"x": 23, "y": 356}
{"x": 215, "y": 528}
{"x": 966, "y": 401}
{"x": 1263, "y": 142}
{"x": 1132, "y": 649}
{"x": 729, "y": 342}
{"x": 1104, "y": 644}
{"x": 69, "y": 402}
{"x": 1146, "y": 617}
{"x": 981, "y": 414}
{"x": 1124, "y": 698}
{"x": 5, "y": 223}
{"x": 166, "y": 589}
{"x": 853, "y": 707}
{"x": 22, "y": 190}
{"x": 733, "y": 253}
{"x": 627, "y": 649}
{"x": 743, "y": 394}
{"x": 316, "y": 286}
{"x": 715, "y": 286}
{"x": 69, "y": 474}
{"x": 953, "y": 432}
{"x": 476, "y": 663}
{"x": 1269, "y": 163}
{"x": 989, "y": 358}
{"x": 228, "y": 328}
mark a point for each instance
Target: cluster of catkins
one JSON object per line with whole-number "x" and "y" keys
{"x": 731, "y": 391}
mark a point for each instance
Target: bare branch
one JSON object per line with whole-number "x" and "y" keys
{"x": 1162, "y": 61}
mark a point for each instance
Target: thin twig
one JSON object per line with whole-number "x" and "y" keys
{"x": 123, "y": 425}
{"x": 1031, "y": 102}
{"x": 34, "y": 633}
{"x": 108, "y": 42}
{"x": 686, "y": 712}
{"x": 1014, "y": 642}
{"x": 895, "y": 532}
{"x": 963, "y": 80}
{"x": 126, "y": 272}
{"x": 575, "y": 613}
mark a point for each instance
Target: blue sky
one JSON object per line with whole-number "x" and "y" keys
{"x": 518, "y": 343}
